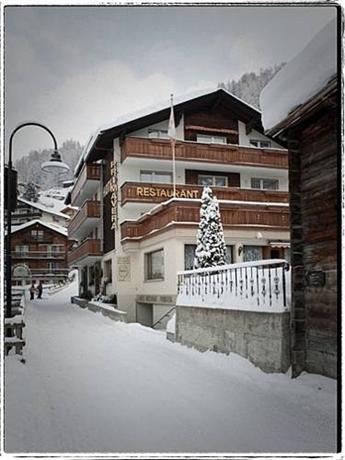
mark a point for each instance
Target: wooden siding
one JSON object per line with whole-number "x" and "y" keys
{"x": 204, "y": 153}
{"x": 90, "y": 172}
{"x": 88, "y": 248}
{"x": 139, "y": 192}
{"x": 189, "y": 213}
{"x": 314, "y": 204}
{"x": 91, "y": 209}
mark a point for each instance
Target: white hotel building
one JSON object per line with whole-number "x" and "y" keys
{"x": 133, "y": 236}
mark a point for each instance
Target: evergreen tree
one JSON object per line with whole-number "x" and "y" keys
{"x": 30, "y": 192}
{"x": 250, "y": 85}
{"x": 211, "y": 249}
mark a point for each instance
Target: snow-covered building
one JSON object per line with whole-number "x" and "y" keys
{"x": 301, "y": 109}
{"x": 134, "y": 236}
{"x": 41, "y": 248}
{"x": 47, "y": 209}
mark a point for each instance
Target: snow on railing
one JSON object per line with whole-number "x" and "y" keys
{"x": 262, "y": 285}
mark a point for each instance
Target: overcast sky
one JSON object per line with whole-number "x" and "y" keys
{"x": 76, "y": 68}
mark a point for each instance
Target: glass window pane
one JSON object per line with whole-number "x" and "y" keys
{"x": 155, "y": 265}
{"x": 253, "y": 142}
{"x": 205, "y": 180}
{"x": 270, "y": 184}
{"x": 255, "y": 182}
{"x": 146, "y": 176}
{"x": 251, "y": 253}
{"x": 203, "y": 138}
{"x": 220, "y": 181}
{"x": 189, "y": 253}
{"x": 218, "y": 140}
{"x": 163, "y": 177}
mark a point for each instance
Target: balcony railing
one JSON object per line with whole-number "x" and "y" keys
{"x": 47, "y": 272}
{"x": 255, "y": 286}
{"x": 90, "y": 175}
{"x": 230, "y": 154}
{"x": 142, "y": 192}
{"x": 91, "y": 210}
{"x": 187, "y": 213}
{"x": 88, "y": 248}
{"x": 38, "y": 255}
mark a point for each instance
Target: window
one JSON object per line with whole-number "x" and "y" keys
{"x": 21, "y": 251}
{"x": 154, "y": 265}
{"x": 108, "y": 271}
{"x": 54, "y": 249}
{"x": 260, "y": 144}
{"x": 52, "y": 266}
{"x": 37, "y": 235}
{"x": 162, "y": 177}
{"x": 158, "y": 133}
{"x": 251, "y": 253}
{"x": 189, "y": 253}
{"x": 264, "y": 184}
{"x": 208, "y": 139}
{"x": 212, "y": 181}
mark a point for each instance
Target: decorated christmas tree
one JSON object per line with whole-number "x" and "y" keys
{"x": 211, "y": 249}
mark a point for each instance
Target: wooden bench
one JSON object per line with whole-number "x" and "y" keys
{"x": 14, "y": 334}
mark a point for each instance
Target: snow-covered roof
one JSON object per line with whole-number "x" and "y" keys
{"x": 54, "y": 227}
{"x": 162, "y": 105}
{"x": 302, "y": 78}
{"x": 47, "y": 204}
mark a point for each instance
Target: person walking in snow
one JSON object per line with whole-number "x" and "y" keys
{"x": 39, "y": 290}
{"x": 32, "y": 290}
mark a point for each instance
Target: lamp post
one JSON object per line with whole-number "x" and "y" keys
{"x": 53, "y": 164}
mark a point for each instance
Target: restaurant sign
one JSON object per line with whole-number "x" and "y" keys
{"x": 153, "y": 192}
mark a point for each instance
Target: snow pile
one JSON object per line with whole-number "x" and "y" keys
{"x": 94, "y": 385}
{"x": 301, "y": 78}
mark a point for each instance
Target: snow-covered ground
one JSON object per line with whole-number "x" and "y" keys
{"x": 90, "y": 384}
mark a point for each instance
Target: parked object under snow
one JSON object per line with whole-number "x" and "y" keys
{"x": 303, "y": 77}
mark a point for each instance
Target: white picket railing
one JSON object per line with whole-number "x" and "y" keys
{"x": 262, "y": 285}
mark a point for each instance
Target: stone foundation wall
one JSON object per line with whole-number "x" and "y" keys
{"x": 263, "y": 338}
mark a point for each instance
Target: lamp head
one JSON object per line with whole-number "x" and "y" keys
{"x": 55, "y": 164}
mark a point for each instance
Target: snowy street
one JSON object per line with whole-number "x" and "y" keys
{"x": 90, "y": 384}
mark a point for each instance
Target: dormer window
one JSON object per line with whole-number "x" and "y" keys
{"x": 260, "y": 144}
{"x": 208, "y": 139}
{"x": 158, "y": 133}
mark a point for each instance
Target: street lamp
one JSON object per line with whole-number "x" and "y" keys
{"x": 54, "y": 164}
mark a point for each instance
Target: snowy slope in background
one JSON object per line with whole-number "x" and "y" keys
{"x": 301, "y": 78}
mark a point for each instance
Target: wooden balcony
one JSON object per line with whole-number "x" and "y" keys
{"x": 84, "y": 220}
{"x": 86, "y": 184}
{"x": 88, "y": 251}
{"x": 139, "y": 192}
{"x": 37, "y": 255}
{"x": 186, "y": 213}
{"x": 160, "y": 149}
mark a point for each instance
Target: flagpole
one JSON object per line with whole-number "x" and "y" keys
{"x": 172, "y": 134}
{"x": 174, "y": 168}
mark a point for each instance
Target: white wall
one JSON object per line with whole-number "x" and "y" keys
{"x": 244, "y": 139}
{"x": 172, "y": 242}
{"x": 144, "y": 132}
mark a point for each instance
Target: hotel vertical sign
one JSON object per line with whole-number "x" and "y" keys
{"x": 114, "y": 198}
{"x": 112, "y": 187}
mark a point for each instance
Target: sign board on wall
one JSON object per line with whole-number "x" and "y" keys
{"x": 123, "y": 268}
{"x": 154, "y": 192}
{"x": 112, "y": 187}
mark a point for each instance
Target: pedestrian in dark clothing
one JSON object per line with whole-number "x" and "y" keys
{"x": 32, "y": 290}
{"x": 39, "y": 290}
